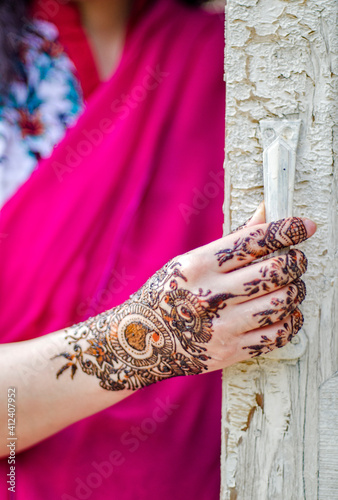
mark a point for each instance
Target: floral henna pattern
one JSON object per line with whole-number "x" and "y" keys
{"x": 259, "y": 243}
{"x": 163, "y": 330}
{"x": 280, "y": 272}
{"x": 284, "y": 335}
{"x": 280, "y": 308}
{"x": 160, "y": 332}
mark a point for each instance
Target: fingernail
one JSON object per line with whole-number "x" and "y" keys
{"x": 311, "y": 227}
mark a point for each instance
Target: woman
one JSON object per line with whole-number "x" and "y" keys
{"x": 89, "y": 222}
{"x": 39, "y": 95}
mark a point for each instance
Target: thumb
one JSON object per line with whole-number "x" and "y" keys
{"x": 258, "y": 217}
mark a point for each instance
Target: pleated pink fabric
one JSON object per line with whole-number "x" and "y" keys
{"x": 136, "y": 182}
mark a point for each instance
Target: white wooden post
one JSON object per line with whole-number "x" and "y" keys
{"x": 280, "y": 412}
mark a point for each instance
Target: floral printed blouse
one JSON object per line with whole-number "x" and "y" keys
{"x": 41, "y": 103}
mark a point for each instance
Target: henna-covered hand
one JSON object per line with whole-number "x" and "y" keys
{"x": 204, "y": 310}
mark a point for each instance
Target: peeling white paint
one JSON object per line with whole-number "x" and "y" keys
{"x": 282, "y": 63}
{"x": 328, "y": 438}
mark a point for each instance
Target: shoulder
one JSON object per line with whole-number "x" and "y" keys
{"x": 41, "y": 30}
{"x": 40, "y": 40}
{"x": 47, "y": 98}
{"x": 49, "y": 71}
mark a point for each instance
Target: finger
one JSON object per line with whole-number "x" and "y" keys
{"x": 263, "y": 277}
{"x": 265, "y": 340}
{"x": 266, "y": 310}
{"x": 257, "y": 218}
{"x": 238, "y": 249}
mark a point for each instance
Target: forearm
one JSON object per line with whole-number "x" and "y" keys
{"x": 44, "y": 403}
{"x": 201, "y": 312}
{"x": 66, "y": 376}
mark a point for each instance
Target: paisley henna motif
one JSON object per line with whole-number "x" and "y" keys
{"x": 159, "y": 333}
{"x": 163, "y": 330}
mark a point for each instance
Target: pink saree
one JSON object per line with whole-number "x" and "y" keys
{"x": 137, "y": 181}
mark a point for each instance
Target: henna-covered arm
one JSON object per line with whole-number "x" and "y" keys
{"x": 202, "y": 311}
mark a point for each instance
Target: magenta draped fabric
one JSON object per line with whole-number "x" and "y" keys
{"x": 137, "y": 181}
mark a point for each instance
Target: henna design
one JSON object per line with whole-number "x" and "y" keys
{"x": 242, "y": 226}
{"x": 158, "y": 333}
{"x": 259, "y": 243}
{"x": 277, "y": 273}
{"x": 284, "y": 335}
{"x": 163, "y": 330}
{"x": 282, "y": 308}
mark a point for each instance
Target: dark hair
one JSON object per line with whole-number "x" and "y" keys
{"x": 13, "y": 17}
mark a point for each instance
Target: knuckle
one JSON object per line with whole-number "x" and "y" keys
{"x": 296, "y": 263}
{"x": 286, "y": 268}
{"x": 290, "y": 328}
{"x": 193, "y": 267}
{"x": 282, "y": 337}
{"x": 301, "y": 289}
{"x": 296, "y": 292}
{"x": 187, "y": 265}
{"x": 297, "y": 321}
{"x": 302, "y": 260}
{"x": 293, "y": 325}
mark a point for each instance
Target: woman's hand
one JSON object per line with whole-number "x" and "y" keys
{"x": 202, "y": 311}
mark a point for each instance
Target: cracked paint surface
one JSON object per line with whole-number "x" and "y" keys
{"x": 282, "y": 63}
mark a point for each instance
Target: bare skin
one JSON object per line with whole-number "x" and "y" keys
{"x": 105, "y": 24}
{"x": 204, "y": 310}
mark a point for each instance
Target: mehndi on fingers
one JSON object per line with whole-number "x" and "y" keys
{"x": 164, "y": 329}
{"x": 260, "y": 242}
{"x": 284, "y": 334}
